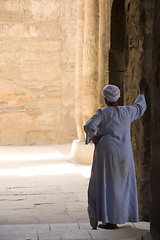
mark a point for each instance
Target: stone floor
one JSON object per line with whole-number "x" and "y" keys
{"x": 43, "y": 197}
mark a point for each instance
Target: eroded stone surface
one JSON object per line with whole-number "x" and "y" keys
{"x": 37, "y": 72}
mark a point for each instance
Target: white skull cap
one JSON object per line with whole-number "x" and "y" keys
{"x": 111, "y": 93}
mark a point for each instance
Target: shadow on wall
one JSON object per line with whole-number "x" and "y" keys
{"x": 118, "y": 56}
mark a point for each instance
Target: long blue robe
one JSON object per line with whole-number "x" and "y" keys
{"x": 112, "y": 191}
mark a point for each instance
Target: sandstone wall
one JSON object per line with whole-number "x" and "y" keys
{"x": 37, "y": 71}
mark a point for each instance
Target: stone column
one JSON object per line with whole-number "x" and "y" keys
{"x": 102, "y": 51}
{"x": 108, "y": 4}
{"x": 86, "y": 81}
{"x": 90, "y": 59}
{"x": 79, "y": 70}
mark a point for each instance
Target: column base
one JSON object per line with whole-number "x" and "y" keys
{"x": 82, "y": 153}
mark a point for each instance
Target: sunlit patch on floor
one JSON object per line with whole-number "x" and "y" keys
{"x": 49, "y": 169}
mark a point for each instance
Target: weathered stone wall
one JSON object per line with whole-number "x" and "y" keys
{"x": 139, "y": 29}
{"x": 130, "y": 59}
{"x": 37, "y": 71}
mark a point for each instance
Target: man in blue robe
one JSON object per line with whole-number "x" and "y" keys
{"x": 112, "y": 191}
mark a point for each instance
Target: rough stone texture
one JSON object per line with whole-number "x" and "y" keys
{"x": 79, "y": 70}
{"x": 90, "y": 59}
{"x": 104, "y": 42}
{"x": 140, "y": 53}
{"x": 146, "y": 27}
{"x": 155, "y": 120}
{"x": 130, "y": 50}
{"x": 37, "y": 71}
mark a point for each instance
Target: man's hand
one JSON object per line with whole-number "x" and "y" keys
{"x": 95, "y": 140}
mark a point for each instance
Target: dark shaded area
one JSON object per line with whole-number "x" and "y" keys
{"x": 155, "y": 153}
{"x": 146, "y": 22}
{"x": 117, "y": 56}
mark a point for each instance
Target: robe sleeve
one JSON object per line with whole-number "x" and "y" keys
{"x": 138, "y": 108}
{"x": 92, "y": 125}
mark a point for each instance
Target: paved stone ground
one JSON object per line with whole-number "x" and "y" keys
{"x": 43, "y": 197}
